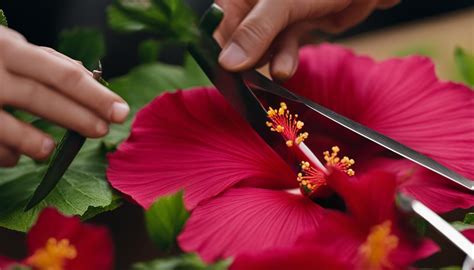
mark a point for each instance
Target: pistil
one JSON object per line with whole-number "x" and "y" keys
{"x": 375, "y": 252}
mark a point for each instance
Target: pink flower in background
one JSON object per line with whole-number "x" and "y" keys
{"x": 58, "y": 242}
{"x": 236, "y": 186}
{"x": 370, "y": 237}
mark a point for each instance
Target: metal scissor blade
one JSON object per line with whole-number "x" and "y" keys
{"x": 257, "y": 81}
{"x": 408, "y": 204}
{"x": 231, "y": 85}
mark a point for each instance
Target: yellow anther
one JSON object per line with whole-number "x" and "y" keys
{"x": 305, "y": 165}
{"x": 343, "y": 164}
{"x": 350, "y": 172}
{"x": 299, "y": 125}
{"x": 286, "y": 124}
{"x": 301, "y": 137}
{"x": 271, "y": 112}
{"x": 309, "y": 178}
{"x": 53, "y": 255}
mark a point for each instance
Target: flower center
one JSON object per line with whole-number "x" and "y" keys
{"x": 53, "y": 255}
{"x": 286, "y": 124}
{"x": 374, "y": 253}
{"x": 311, "y": 179}
{"x": 312, "y": 176}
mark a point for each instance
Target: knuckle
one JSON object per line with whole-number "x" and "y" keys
{"x": 253, "y": 32}
{"x": 71, "y": 76}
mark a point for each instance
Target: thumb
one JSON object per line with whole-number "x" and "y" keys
{"x": 261, "y": 26}
{"x": 254, "y": 35}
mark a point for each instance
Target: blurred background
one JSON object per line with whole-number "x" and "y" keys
{"x": 42, "y": 21}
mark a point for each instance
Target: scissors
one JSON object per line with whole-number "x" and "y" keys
{"x": 239, "y": 89}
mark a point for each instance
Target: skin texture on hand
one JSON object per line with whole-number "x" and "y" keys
{"x": 48, "y": 84}
{"x": 257, "y": 32}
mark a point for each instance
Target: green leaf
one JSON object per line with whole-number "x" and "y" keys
{"x": 183, "y": 262}
{"x": 83, "y": 186}
{"x": 83, "y": 44}
{"x": 147, "y": 81}
{"x": 169, "y": 20}
{"x": 465, "y": 64}
{"x": 469, "y": 218}
{"x": 94, "y": 211}
{"x": 120, "y": 22}
{"x": 3, "y": 18}
{"x": 461, "y": 226}
{"x": 148, "y": 51}
{"x": 165, "y": 219}
{"x": 467, "y": 224}
{"x": 451, "y": 268}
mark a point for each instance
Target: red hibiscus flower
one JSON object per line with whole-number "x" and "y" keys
{"x": 57, "y": 242}
{"x": 237, "y": 187}
{"x": 370, "y": 237}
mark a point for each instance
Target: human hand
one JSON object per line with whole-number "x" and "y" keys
{"x": 256, "y": 32}
{"x": 53, "y": 86}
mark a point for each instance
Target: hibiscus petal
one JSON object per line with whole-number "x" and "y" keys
{"x": 342, "y": 234}
{"x": 299, "y": 257}
{"x": 248, "y": 219}
{"x": 192, "y": 140}
{"x": 401, "y": 98}
{"x": 436, "y": 192}
{"x": 369, "y": 197}
{"x": 469, "y": 233}
{"x": 93, "y": 244}
{"x": 6, "y": 262}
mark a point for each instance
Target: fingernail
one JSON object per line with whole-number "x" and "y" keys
{"x": 101, "y": 128}
{"x": 48, "y": 145}
{"x": 119, "y": 111}
{"x": 232, "y": 56}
